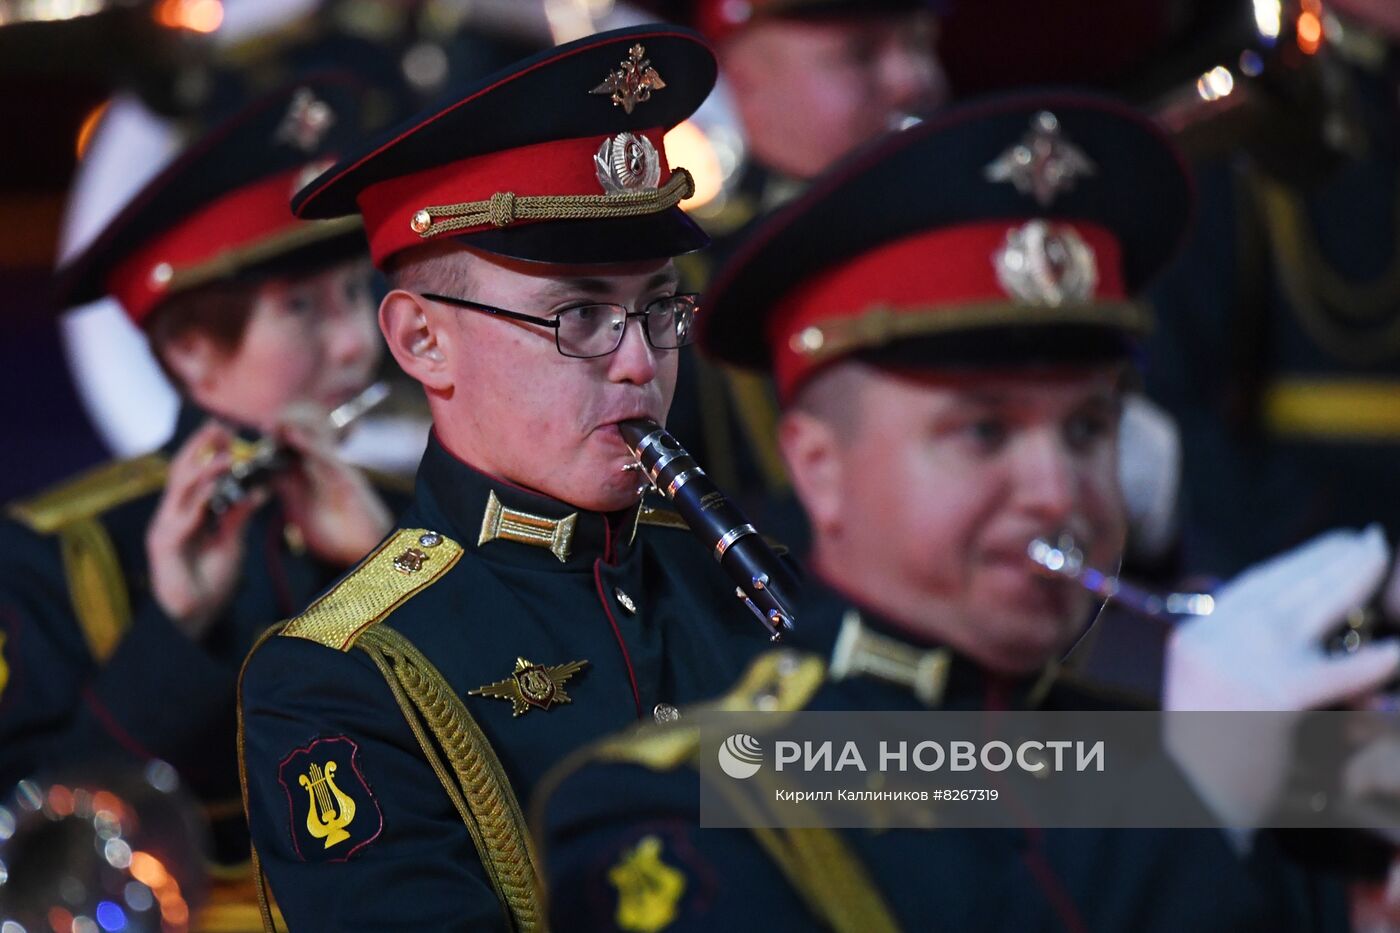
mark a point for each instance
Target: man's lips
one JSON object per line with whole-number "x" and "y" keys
{"x": 611, "y": 424}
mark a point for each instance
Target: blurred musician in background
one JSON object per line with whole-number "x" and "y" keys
{"x": 127, "y": 603}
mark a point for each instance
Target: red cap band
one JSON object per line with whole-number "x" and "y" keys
{"x": 556, "y": 168}
{"x": 924, "y": 273}
{"x": 233, "y": 222}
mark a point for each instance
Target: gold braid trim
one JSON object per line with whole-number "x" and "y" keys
{"x": 265, "y": 908}
{"x": 96, "y": 585}
{"x": 816, "y": 862}
{"x": 481, "y": 792}
{"x": 89, "y": 494}
{"x": 881, "y": 324}
{"x": 228, "y": 263}
{"x": 504, "y": 208}
{"x": 829, "y": 878}
{"x": 823, "y": 870}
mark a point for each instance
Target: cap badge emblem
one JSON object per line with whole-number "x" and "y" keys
{"x": 306, "y": 122}
{"x": 627, "y": 162}
{"x": 1043, "y": 164}
{"x": 1046, "y": 265}
{"x": 633, "y": 82}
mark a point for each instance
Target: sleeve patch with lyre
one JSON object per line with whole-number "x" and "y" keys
{"x": 532, "y": 685}
{"x": 648, "y": 889}
{"x": 332, "y": 809}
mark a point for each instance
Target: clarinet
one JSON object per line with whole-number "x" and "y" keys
{"x": 762, "y": 580}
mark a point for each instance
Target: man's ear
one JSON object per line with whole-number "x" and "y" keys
{"x": 812, "y": 449}
{"x": 415, "y": 332}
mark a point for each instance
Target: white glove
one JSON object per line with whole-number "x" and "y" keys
{"x": 1262, "y": 649}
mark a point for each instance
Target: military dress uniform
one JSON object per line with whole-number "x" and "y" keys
{"x": 1278, "y": 353}
{"x": 495, "y": 632}
{"x": 1007, "y": 235}
{"x": 391, "y": 731}
{"x": 643, "y": 863}
{"x": 93, "y": 673}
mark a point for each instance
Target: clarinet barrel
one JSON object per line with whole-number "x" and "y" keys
{"x": 764, "y": 582}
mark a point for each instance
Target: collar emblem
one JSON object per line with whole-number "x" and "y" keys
{"x": 555, "y": 534}
{"x": 861, "y": 652}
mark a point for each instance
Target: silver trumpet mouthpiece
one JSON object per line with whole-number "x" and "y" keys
{"x": 1065, "y": 559}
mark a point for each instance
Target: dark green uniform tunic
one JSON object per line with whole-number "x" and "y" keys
{"x": 641, "y": 862}
{"x": 550, "y": 625}
{"x": 93, "y": 672}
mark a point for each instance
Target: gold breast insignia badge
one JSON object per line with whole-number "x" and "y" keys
{"x": 532, "y": 685}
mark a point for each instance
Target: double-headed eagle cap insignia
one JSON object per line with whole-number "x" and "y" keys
{"x": 633, "y": 81}
{"x": 1043, "y": 164}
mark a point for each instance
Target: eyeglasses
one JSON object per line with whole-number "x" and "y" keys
{"x": 593, "y": 330}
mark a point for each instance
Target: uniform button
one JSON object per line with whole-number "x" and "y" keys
{"x": 665, "y": 712}
{"x": 625, "y": 601}
{"x": 294, "y": 539}
{"x": 430, "y": 539}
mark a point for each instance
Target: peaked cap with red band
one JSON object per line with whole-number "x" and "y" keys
{"x": 558, "y": 158}
{"x": 219, "y": 210}
{"x": 1010, "y": 231}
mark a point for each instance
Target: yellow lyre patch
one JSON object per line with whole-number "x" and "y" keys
{"x": 329, "y": 811}
{"x": 334, "y": 814}
{"x": 648, "y": 889}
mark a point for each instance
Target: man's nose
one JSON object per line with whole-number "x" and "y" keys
{"x": 1046, "y": 478}
{"x": 634, "y": 360}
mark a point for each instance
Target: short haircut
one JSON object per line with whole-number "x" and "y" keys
{"x": 219, "y": 311}
{"x": 439, "y": 268}
{"x": 833, "y": 395}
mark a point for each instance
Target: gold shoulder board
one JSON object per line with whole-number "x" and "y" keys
{"x": 408, "y": 561}
{"x": 782, "y": 681}
{"x": 91, "y": 493}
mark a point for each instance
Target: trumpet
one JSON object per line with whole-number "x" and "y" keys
{"x": 268, "y": 457}
{"x": 762, "y": 580}
{"x": 1064, "y": 558}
